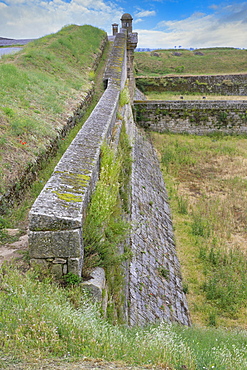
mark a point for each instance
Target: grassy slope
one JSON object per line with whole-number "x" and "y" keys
{"x": 40, "y": 86}
{"x": 213, "y": 61}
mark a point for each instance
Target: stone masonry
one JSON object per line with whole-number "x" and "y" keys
{"x": 194, "y": 117}
{"x": 155, "y": 283}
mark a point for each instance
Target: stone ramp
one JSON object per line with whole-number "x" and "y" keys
{"x": 155, "y": 283}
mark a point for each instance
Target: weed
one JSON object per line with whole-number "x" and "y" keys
{"x": 72, "y": 279}
{"x": 164, "y": 272}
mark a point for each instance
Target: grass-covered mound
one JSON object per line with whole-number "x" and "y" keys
{"x": 40, "y": 86}
{"x": 196, "y": 62}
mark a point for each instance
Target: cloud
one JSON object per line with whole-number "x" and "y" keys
{"x": 146, "y": 13}
{"x": 35, "y": 18}
{"x": 225, "y": 27}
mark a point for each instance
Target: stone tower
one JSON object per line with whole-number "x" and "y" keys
{"x": 132, "y": 39}
{"x": 114, "y": 29}
{"x": 127, "y": 22}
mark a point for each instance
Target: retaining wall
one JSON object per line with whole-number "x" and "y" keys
{"x": 155, "y": 282}
{"x": 195, "y": 117}
{"x": 229, "y": 84}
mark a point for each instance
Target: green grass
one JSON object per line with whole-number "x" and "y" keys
{"x": 39, "y": 319}
{"x": 39, "y": 86}
{"x": 17, "y": 216}
{"x": 213, "y": 61}
{"x": 205, "y": 176}
{"x": 106, "y": 226}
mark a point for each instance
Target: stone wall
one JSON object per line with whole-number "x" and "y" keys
{"x": 155, "y": 282}
{"x": 57, "y": 216}
{"x": 235, "y": 84}
{"x": 195, "y": 117}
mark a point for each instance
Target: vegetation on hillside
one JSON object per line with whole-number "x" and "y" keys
{"x": 206, "y": 181}
{"x": 40, "y": 86}
{"x": 196, "y": 62}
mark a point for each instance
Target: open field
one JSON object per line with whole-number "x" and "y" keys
{"x": 186, "y": 62}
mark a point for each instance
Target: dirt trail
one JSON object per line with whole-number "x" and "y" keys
{"x": 13, "y": 249}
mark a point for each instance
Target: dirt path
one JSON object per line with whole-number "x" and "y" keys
{"x": 15, "y": 248}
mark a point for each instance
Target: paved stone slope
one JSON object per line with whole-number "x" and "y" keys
{"x": 155, "y": 286}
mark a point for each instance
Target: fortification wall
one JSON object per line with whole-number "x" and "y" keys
{"x": 155, "y": 288}
{"x": 153, "y": 280}
{"x": 57, "y": 216}
{"x": 194, "y": 117}
{"x": 229, "y": 84}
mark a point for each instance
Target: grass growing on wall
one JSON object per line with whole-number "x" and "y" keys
{"x": 40, "y": 86}
{"x": 207, "y": 186}
{"x": 106, "y": 226}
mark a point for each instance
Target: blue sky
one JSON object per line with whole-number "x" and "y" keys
{"x": 159, "y": 23}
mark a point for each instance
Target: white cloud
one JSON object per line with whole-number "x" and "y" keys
{"x": 2, "y": 6}
{"x": 226, "y": 27}
{"x": 35, "y": 18}
{"x": 146, "y": 13}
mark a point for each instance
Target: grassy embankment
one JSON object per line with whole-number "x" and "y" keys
{"x": 197, "y": 62}
{"x": 40, "y": 87}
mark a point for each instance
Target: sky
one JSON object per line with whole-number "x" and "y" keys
{"x": 159, "y": 23}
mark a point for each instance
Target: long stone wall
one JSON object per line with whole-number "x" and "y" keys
{"x": 57, "y": 216}
{"x": 231, "y": 84}
{"x": 153, "y": 280}
{"x": 195, "y": 117}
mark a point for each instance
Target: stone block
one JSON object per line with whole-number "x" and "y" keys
{"x": 39, "y": 262}
{"x": 96, "y": 285}
{"x": 57, "y": 271}
{"x": 59, "y": 244}
{"x": 75, "y": 265}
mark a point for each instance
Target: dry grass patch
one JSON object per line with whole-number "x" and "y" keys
{"x": 207, "y": 185}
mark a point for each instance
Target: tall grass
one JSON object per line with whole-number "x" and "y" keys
{"x": 205, "y": 177}
{"x": 39, "y": 319}
{"x": 106, "y": 226}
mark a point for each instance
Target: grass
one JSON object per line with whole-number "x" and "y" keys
{"x": 106, "y": 226}
{"x": 40, "y": 86}
{"x": 17, "y": 216}
{"x": 207, "y": 187}
{"x": 39, "y": 319}
{"x": 211, "y": 61}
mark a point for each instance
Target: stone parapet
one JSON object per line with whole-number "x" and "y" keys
{"x": 57, "y": 216}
